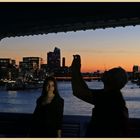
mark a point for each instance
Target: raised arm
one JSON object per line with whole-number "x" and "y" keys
{"x": 79, "y": 87}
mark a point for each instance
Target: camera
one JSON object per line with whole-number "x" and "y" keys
{"x": 75, "y": 56}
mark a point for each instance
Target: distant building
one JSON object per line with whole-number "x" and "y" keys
{"x": 13, "y": 62}
{"x": 8, "y": 68}
{"x": 136, "y": 72}
{"x": 30, "y": 63}
{"x": 53, "y": 59}
{"x": 4, "y": 62}
{"x": 44, "y": 68}
{"x": 30, "y": 66}
{"x": 135, "y": 69}
{"x": 63, "y": 62}
{"x": 23, "y": 66}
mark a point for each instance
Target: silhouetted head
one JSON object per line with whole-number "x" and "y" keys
{"x": 114, "y": 79}
{"x": 49, "y": 84}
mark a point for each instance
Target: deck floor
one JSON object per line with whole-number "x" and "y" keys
{"x": 14, "y": 125}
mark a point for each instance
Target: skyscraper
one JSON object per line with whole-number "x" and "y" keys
{"x": 53, "y": 59}
{"x": 63, "y": 62}
{"x": 135, "y": 69}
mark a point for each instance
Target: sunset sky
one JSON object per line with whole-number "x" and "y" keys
{"x": 99, "y": 49}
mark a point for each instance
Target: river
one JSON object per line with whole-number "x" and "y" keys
{"x": 25, "y": 101}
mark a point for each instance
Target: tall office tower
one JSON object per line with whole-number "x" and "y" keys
{"x": 135, "y": 68}
{"x": 7, "y": 68}
{"x": 63, "y": 62}
{"x": 57, "y": 56}
{"x": 53, "y": 59}
{"x": 5, "y": 62}
{"x": 31, "y": 63}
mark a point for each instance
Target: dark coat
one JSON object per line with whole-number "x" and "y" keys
{"x": 109, "y": 115}
{"x": 47, "y": 119}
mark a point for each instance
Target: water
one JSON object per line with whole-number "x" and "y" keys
{"x": 25, "y": 101}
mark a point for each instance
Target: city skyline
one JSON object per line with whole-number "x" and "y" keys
{"x": 100, "y": 49}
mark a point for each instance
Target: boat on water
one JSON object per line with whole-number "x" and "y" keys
{"x": 3, "y": 82}
{"x": 19, "y": 85}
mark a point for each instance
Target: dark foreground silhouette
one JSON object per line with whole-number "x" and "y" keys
{"x": 110, "y": 114}
{"x": 48, "y": 114}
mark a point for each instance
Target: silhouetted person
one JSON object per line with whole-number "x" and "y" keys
{"x": 48, "y": 114}
{"x": 110, "y": 114}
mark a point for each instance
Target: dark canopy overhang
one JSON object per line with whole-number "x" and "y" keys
{"x": 20, "y": 19}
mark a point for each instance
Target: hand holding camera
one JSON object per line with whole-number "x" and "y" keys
{"x": 76, "y": 64}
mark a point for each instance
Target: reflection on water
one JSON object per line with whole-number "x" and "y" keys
{"x": 12, "y": 93}
{"x": 25, "y": 101}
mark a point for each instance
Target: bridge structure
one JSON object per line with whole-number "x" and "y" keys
{"x": 21, "y": 19}
{"x": 34, "y": 18}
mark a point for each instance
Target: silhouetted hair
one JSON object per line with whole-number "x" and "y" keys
{"x": 47, "y": 79}
{"x": 115, "y": 77}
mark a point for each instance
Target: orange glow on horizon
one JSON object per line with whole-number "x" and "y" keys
{"x": 102, "y": 70}
{"x": 88, "y": 65}
{"x": 92, "y": 66}
{"x": 99, "y": 50}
